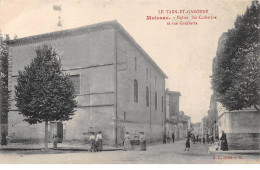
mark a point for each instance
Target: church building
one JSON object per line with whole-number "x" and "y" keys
{"x": 119, "y": 87}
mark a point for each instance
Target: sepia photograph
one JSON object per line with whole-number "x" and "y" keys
{"x": 129, "y": 81}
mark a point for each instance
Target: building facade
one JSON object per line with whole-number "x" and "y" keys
{"x": 119, "y": 87}
{"x": 173, "y": 124}
{"x": 205, "y": 126}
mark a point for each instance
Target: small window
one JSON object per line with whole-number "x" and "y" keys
{"x": 155, "y": 100}
{"x": 135, "y": 91}
{"x": 147, "y": 97}
{"x": 76, "y": 82}
{"x": 155, "y": 81}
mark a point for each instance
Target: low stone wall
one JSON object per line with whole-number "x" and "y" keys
{"x": 243, "y": 141}
{"x": 242, "y": 129}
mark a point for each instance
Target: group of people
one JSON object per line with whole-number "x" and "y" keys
{"x": 198, "y": 139}
{"x": 222, "y": 142}
{"x": 96, "y": 142}
{"x": 127, "y": 141}
{"x": 167, "y": 138}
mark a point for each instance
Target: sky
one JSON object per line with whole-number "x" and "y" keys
{"x": 184, "y": 52}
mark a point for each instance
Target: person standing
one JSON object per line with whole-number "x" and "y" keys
{"x": 168, "y": 137}
{"x": 212, "y": 139}
{"x": 187, "y": 144}
{"x": 127, "y": 143}
{"x": 203, "y": 139}
{"x": 3, "y": 139}
{"x": 173, "y": 137}
{"x": 55, "y": 141}
{"x": 164, "y": 138}
{"x": 99, "y": 141}
{"x": 142, "y": 141}
{"x": 224, "y": 144}
{"x": 92, "y": 142}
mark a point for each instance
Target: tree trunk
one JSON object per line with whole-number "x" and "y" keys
{"x": 46, "y": 136}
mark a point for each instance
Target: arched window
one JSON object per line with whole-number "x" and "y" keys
{"x": 147, "y": 73}
{"x": 135, "y": 91}
{"x": 147, "y": 96}
{"x": 162, "y": 103}
{"x": 135, "y": 64}
{"x": 155, "y": 100}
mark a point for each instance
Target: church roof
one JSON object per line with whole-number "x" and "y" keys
{"x": 83, "y": 30}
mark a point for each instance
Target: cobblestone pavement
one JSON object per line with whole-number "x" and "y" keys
{"x": 156, "y": 153}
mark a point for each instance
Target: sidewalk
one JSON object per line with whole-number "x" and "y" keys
{"x": 212, "y": 150}
{"x": 61, "y": 146}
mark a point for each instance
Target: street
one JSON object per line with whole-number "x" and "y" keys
{"x": 155, "y": 154}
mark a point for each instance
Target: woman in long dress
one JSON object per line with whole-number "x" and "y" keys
{"x": 143, "y": 142}
{"x": 99, "y": 141}
{"x": 224, "y": 144}
{"x": 92, "y": 142}
{"x": 127, "y": 143}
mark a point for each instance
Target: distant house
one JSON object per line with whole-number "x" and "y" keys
{"x": 176, "y": 121}
{"x": 119, "y": 87}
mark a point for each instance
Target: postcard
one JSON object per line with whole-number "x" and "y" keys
{"x": 129, "y": 82}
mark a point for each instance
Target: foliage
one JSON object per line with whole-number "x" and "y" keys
{"x": 43, "y": 92}
{"x": 5, "y": 94}
{"x": 236, "y": 77}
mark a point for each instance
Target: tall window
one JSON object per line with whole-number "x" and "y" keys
{"x": 147, "y": 73}
{"x": 135, "y": 64}
{"x": 162, "y": 103}
{"x": 124, "y": 115}
{"x": 76, "y": 82}
{"x": 155, "y": 100}
{"x": 147, "y": 96}
{"x": 162, "y": 86}
{"x": 135, "y": 91}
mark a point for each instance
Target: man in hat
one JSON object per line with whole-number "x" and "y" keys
{"x": 92, "y": 142}
{"x": 99, "y": 141}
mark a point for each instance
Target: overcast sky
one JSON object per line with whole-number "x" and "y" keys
{"x": 184, "y": 53}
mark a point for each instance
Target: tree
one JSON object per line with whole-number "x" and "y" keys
{"x": 4, "y": 92}
{"x": 236, "y": 78}
{"x": 43, "y": 92}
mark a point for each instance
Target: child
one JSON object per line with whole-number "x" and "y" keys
{"x": 216, "y": 145}
{"x": 187, "y": 144}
